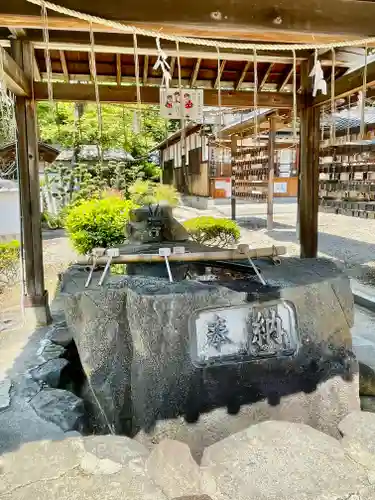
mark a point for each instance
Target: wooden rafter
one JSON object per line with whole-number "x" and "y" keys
{"x": 150, "y": 95}
{"x": 286, "y": 77}
{"x": 194, "y": 76}
{"x": 219, "y": 74}
{"x": 118, "y": 69}
{"x": 265, "y": 77}
{"x": 348, "y": 84}
{"x": 64, "y": 65}
{"x": 145, "y": 70}
{"x": 243, "y": 75}
{"x": 15, "y": 79}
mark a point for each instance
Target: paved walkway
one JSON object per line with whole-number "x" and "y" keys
{"x": 347, "y": 240}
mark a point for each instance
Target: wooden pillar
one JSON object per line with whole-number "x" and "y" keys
{"x": 271, "y": 171}
{"x": 35, "y": 300}
{"x": 234, "y": 140}
{"x": 309, "y": 170}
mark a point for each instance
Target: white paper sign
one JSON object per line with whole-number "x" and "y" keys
{"x": 176, "y": 104}
{"x": 280, "y": 187}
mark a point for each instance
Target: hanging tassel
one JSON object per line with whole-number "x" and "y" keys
{"x": 162, "y": 63}
{"x": 318, "y": 75}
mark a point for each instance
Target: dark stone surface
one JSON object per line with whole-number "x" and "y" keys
{"x": 50, "y": 372}
{"x": 134, "y": 343}
{"x": 60, "y": 407}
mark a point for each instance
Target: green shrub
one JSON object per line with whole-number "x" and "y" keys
{"x": 9, "y": 262}
{"x": 213, "y": 232}
{"x": 52, "y": 221}
{"x": 98, "y": 223}
{"x": 144, "y": 192}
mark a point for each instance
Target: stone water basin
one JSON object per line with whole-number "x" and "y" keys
{"x": 197, "y": 360}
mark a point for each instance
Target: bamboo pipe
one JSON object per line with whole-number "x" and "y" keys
{"x": 253, "y": 253}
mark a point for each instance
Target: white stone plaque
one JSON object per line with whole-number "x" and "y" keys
{"x": 238, "y": 333}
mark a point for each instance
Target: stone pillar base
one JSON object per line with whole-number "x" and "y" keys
{"x": 36, "y": 309}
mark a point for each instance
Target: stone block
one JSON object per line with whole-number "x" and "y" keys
{"x": 59, "y": 407}
{"x": 50, "y": 372}
{"x": 141, "y": 351}
{"x": 280, "y": 460}
{"x": 359, "y": 426}
{"x": 5, "y": 386}
{"x": 172, "y": 467}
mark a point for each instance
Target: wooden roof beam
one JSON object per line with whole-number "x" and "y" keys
{"x": 150, "y": 95}
{"x": 219, "y": 74}
{"x": 286, "y": 77}
{"x": 348, "y": 84}
{"x": 195, "y": 72}
{"x": 265, "y": 77}
{"x": 118, "y": 69}
{"x": 64, "y": 65}
{"x": 15, "y": 79}
{"x": 243, "y": 75}
{"x": 145, "y": 70}
{"x": 246, "y": 21}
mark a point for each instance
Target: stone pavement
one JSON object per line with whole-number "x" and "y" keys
{"x": 349, "y": 241}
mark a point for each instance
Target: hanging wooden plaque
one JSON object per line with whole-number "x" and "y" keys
{"x": 181, "y": 104}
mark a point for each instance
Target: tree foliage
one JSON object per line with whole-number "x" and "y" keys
{"x": 69, "y": 125}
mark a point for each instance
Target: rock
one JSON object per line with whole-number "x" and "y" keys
{"x": 366, "y": 380}
{"x": 119, "y": 449}
{"x": 193, "y": 497}
{"x": 38, "y": 461}
{"x": 60, "y": 407}
{"x": 27, "y": 388}
{"x": 5, "y": 386}
{"x": 94, "y": 465}
{"x": 280, "y": 460}
{"x": 60, "y": 335}
{"x": 53, "y": 469}
{"x": 109, "y": 454}
{"x": 50, "y": 372}
{"x": 368, "y": 403}
{"x": 360, "y": 427}
{"x": 171, "y": 466}
{"x": 48, "y": 350}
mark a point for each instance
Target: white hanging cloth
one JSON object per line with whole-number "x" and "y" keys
{"x": 319, "y": 82}
{"x": 162, "y": 63}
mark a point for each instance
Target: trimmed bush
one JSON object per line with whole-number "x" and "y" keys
{"x": 98, "y": 223}
{"x": 145, "y": 192}
{"x": 213, "y": 232}
{"x": 9, "y": 262}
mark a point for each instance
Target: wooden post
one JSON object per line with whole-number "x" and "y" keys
{"x": 309, "y": 170}
{"x": 234, "y": 139}
{"x": 35, "y": 300}
{"x": 271, "y": 171}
